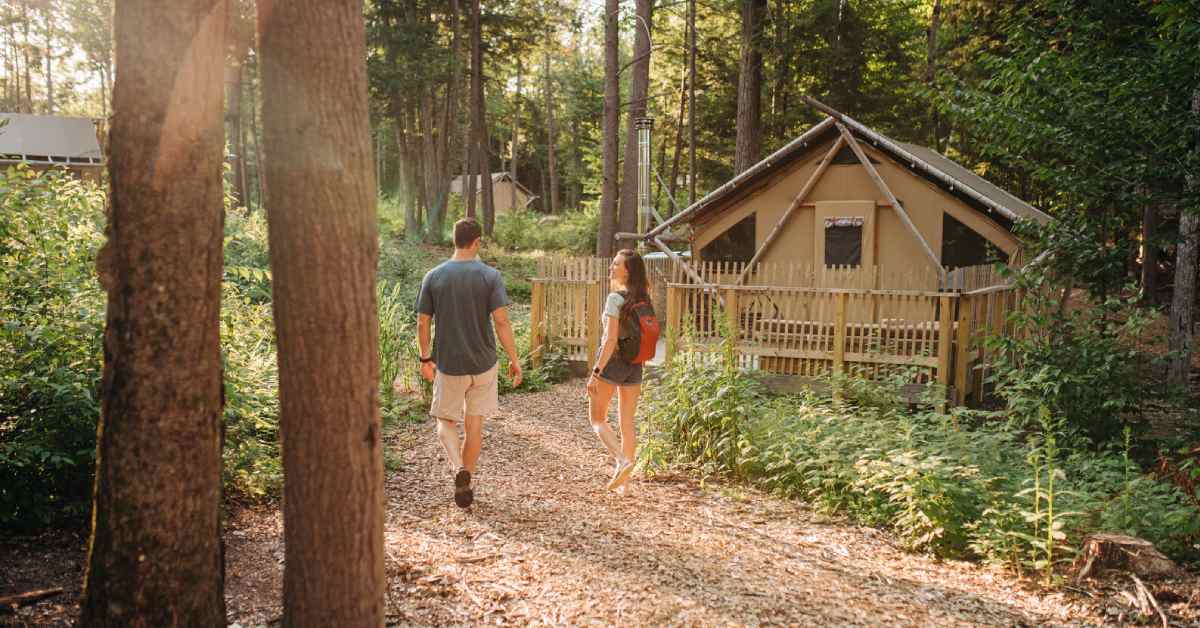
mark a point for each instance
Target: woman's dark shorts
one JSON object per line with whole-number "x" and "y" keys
{"x": 618, "y": 372}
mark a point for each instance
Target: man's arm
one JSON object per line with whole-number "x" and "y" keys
{"x": 424, "y": 337}
{"x": 505, "y": 332}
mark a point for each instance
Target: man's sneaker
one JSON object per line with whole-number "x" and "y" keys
{"x": 620, "y": 474}
{"x": 463, "y": 495}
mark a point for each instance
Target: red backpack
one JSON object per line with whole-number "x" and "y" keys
{"x": 639, "y": 333}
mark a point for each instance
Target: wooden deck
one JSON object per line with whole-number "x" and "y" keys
{"x": 797, "y": 331}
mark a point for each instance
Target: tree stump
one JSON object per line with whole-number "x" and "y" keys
{"x": 1124, "y": 553}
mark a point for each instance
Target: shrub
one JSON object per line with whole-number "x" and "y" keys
{"x": 1078, "y": 363}
{"x": 573, "y": 233}
{"x": 51, "y": 324}
{"x": 961, "y": 484}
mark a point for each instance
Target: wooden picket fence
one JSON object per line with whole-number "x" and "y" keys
{"x": 797, "y": 321}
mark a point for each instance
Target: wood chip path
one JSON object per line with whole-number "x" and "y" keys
{"x": 545, "y": 544}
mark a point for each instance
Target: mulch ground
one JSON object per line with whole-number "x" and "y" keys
{"x": 546, "y": 544}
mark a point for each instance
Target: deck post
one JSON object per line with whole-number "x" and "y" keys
{"x": 537, "y": 324}
{"x": 962, "y": 358}
{"x": 674, "y": 319}
{"x": 731, "y": 314}
{"x": 945, "y": 330}
{"x": 839, "y": 333}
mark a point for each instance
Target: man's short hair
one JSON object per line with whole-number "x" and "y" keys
{"x": 466, "y": 231}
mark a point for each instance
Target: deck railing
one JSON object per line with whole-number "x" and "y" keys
{"x": 814, "y": 330}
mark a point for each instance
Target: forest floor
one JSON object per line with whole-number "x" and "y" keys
{"x": 545, "y": 543}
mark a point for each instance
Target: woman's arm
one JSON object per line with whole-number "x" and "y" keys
{"x": 610, "y": 343}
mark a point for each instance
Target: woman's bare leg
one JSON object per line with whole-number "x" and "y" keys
{"x": 598, "y": 413}
{"x": 627, "y": 400}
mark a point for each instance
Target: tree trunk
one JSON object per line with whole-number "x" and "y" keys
{"x": 437, "y": 214}
{"x": 324, "y": 248}
{"x": 673, "y": 182}
{"x": 935, "y": 20}
{"x": 155, "y": 555}
{"x": 479, "y": 121}
{"x": 1150, "y": 254}
{"x": 49, "y": 55}
{"x": 516, "y": 140}
{"x": 1180, "y": 341}
{"x": 260, "y": 184}
{"x": 551, "y": 133}
{"x": 28, "y": 74}
{"x": 691, "y": 27}
{"x": 783, "y": 66}
{"x": 233, "y": 132}
{"x": 639, "y": 85}
{"x": 749, "y": 103}
{"x": 612, "y": 105}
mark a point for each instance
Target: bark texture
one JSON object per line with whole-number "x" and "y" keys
{"x": 155, "y": 555}
{"x": 324, "y": 247}
{"x": 749, "y": 103}
{"x": 612, "y": 106}
{"x": 1180, "y": 338}
{"x": 638, "y": 86}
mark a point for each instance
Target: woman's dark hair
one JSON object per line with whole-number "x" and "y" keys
{"x": 637, "y": 285}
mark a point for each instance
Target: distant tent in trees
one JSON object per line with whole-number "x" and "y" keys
{"x": 504, "y": 190}
{"x": 44, "y": 142}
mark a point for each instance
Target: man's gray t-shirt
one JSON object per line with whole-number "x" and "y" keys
{"x": 461, "y": 296}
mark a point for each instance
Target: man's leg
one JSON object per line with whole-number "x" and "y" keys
{"x": 447, "y": 433}
{"x": 472, "y": 441}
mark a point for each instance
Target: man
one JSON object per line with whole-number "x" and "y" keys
{"x": 461, "y": 295}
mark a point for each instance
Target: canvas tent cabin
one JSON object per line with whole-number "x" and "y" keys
{"x": 45, "y": 142}
{"x": 905, "y": 217}
{"x": 507, "y": 193}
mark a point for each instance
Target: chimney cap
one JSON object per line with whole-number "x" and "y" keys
{"x": 644, "y": 123}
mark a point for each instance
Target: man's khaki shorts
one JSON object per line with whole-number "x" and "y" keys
{"x": 457, "y": 395}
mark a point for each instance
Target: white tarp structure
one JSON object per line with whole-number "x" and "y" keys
{"x": 48, "y": 140}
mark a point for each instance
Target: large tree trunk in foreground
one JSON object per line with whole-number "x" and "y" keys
{"x": 155, "y": 553}
{"x": 612, "y": 104}
{"x": 638, "y": 87}
{"x": 324, "y": 246}
{"x": 1180, "y": 340}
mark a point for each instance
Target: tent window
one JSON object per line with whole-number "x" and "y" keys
{"x": 963, "y": 246}
{"x": 735, "y": 245}
{"x": 843, "y": 241}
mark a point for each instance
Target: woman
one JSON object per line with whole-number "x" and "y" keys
{"x": 611, "y": 373}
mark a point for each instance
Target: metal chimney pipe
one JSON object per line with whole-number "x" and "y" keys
{"x": 644, "y": 126}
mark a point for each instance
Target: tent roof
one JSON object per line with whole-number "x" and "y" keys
{"x": 924, "y": 162}
{"x": 49, "y": 139}
{"x": 456, "y": 184}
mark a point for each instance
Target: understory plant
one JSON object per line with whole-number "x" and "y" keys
{"x": 959, "y": 483}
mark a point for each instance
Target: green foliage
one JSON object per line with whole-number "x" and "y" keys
{"x": 1077, "y": 362}
{"x": 51, "y": 321}
{"x": 252, "y": 467}
{"x": 958, "y": 484}
{"x": 573, "y": 233}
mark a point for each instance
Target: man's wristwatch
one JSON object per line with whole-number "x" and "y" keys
{"x": 596, "y": 371}
{"x": 425, "y": 360}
